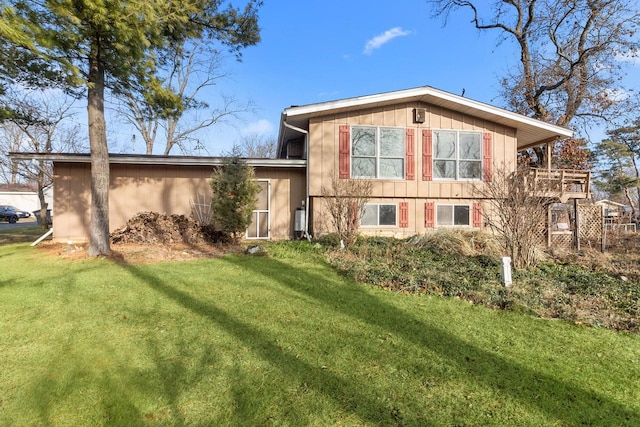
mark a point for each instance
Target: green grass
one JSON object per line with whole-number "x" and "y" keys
{"x": 20, "y": 234}
{"x": 284, "y": 340}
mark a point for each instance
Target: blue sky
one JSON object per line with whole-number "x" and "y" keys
{"x": 320, "y": 51}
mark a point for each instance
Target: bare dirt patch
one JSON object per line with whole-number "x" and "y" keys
{"x": 138, "y": 253}
{"x": 151, "y": 237}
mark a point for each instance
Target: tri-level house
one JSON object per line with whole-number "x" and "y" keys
{"x": 425, "y": 151}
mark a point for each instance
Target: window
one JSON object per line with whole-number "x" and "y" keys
{"x": 377, "y": 152}
{"x": 451, "y": 215}
{"x": 377, "y": 214}
{"x": 457, "y": 155}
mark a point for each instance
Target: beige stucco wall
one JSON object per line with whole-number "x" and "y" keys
{"x": 162, "y": 189}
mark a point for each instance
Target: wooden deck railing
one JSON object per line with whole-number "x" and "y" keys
{"x": 562, "y": 183}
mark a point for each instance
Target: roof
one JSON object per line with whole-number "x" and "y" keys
{"x": 609, "y": 202}
{"x": 530, "y": 132}
{"x": 155, "y": 160}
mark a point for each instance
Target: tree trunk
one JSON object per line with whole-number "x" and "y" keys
{"x": 43, "y": 204}
{"x": 99, "y": 228}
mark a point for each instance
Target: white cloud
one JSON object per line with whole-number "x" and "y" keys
{"x": 384, "y": 38}
{"x": 261, "y": 127}
{"x": 632, "y": 56}
{"x": 616, "y": 94}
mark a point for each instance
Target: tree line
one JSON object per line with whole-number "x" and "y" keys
{"x": 152, "y": 58}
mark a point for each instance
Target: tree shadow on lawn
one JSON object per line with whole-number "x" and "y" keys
{"x": 350, "y": 396}
{"x": 562, "y": 401}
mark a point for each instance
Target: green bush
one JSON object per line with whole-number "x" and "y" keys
{"x": 234, "y": 195}
{"x": 467, "y": 266}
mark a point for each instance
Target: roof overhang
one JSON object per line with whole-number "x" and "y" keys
{"x": 132, "y": 159}
{"x": 530, "y": 132}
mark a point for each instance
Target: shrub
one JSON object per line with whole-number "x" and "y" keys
{"x": 234, "y": 195}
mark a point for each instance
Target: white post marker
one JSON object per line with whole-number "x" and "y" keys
{"x": 506, "y": 271}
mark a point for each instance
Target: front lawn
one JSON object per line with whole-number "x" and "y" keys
{"x": 283, "y": 339}
{"x": 21, "y": 234}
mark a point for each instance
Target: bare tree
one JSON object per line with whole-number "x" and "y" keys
{"x": 40, "y": 127}
{"x": 570, "y": 54}
{"x": 258, "y": 146}
{"x": 11, "y": 140}
{"x": 188, "y": 72}
{"x": 516, "y": 207}
{"x": 620, "y": 162}
{"x": 345, "y": 200}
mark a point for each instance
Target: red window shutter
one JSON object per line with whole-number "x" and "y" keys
{"x": 429, "y": 215}
{"x": 404, "y": 214}
{"x": 345, "y": 150}
{"x": 411, "y": 155}
{"x": 477, "y": 215}
{"x": 427, "y": 155}
{"x": 487, "y": 156}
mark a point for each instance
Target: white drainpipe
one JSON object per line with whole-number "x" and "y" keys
{"x": 306, "y": 155}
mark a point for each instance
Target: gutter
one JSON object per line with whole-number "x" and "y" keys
{"x": 154, "y": 160}
{"x": 306, "y": 158}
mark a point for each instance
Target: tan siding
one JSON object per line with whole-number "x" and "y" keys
{"x": 325, "y": 143}
{"x": 388, "y": 118}
{"x": 322, "y": 223}
{"x": 72, "y": 198}
{"x": 162, "y": 189}
{"x": 323, "y": 161}
{"x": 401, "y": 188}
{"x": 287, "y": 194}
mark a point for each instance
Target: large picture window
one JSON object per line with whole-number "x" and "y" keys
{"x": 379, "y": 214}
{"x": 457, "y": 155}
{"x": 377, "y": 152}
{"x": 450, "y": 215}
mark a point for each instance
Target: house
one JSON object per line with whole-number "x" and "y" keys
{"x": 617, "y": 216}
{"x": 614, "y": 212}
{"x": 426, "y": 152}
{"x": 24, "y": 197}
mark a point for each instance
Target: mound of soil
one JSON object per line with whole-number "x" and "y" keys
{"x": 160, "y": 229}
{"x": 150, "y": 237}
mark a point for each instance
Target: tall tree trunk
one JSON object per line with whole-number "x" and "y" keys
{"x": 42, "y": 214}
{"x": 634, "y": 213}
{"x": 99, "y": 228}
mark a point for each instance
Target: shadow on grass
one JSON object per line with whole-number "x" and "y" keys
{"x": 348, "y": 396}
{"x": 560, "y": 401}
{"x": 67, "y": 375}
{"x": 530, "y": 388}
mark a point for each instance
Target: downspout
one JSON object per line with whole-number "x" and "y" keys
{"x": 306, "y": 157}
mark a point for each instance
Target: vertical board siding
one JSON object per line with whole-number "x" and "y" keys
{"x": 345, "y": 148}
{"x": 427, "y": 155}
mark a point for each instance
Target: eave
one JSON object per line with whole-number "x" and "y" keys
{"x": 154, "y": 160}
{"x": 530, "y": 132}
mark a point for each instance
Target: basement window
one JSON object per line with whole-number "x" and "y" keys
{"x": 379, "y": 215}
